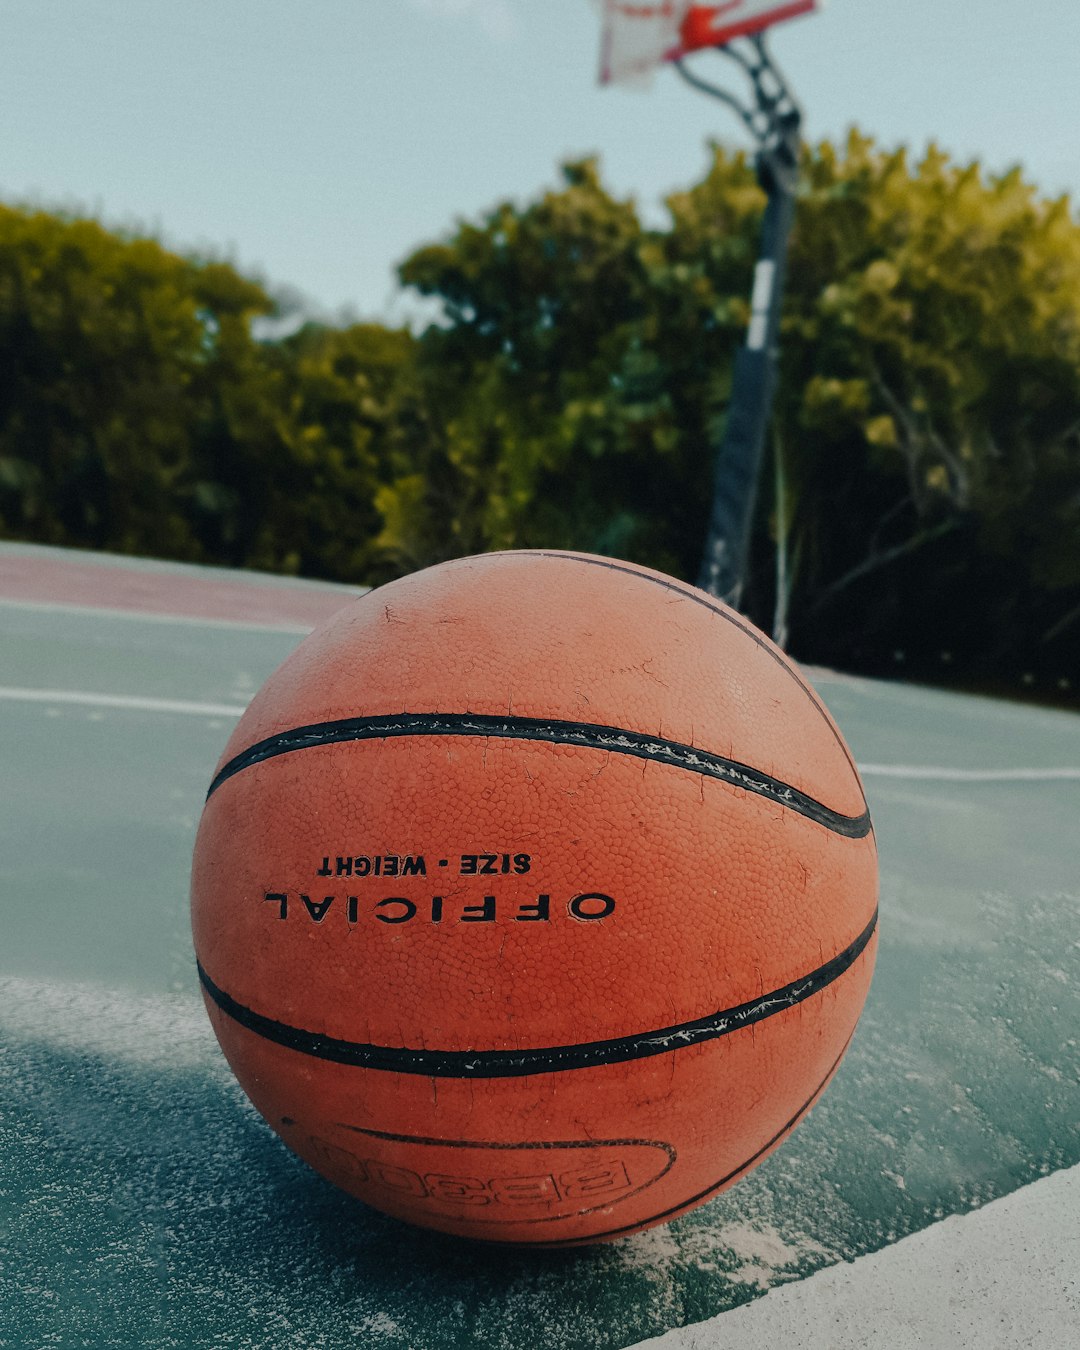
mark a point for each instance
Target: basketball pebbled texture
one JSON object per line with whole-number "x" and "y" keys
{"x": 535, "y": 898}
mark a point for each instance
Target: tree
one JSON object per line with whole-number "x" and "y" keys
{"x": 932, "y": 388}
{"x": 924, "y": 496}
{"x": 575, "y": 371}
{"x": 341, "y": 411}
{"x": 140, "y": 412}
{"x": 926, "y": 424}
{"x": 112, "y": 351}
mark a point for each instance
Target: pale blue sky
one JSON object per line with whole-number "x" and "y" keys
{"x": 316, "y": 142}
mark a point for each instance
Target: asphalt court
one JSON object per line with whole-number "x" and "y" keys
{"x": 143, "y": 1201}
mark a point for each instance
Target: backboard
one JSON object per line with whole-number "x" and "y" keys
{"x": 637, "y": 36}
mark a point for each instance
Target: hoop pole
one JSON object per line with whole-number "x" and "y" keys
{"x": 737, "y": 464}
{"x": 775, "y": 122}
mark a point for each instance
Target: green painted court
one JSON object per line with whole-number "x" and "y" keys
{"x": 144, "y": 1203}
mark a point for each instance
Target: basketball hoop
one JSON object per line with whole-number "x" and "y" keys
{"x": 637, "y": 37}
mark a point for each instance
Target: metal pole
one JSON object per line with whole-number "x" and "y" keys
{"x": 775, "y": 121}
{"x": 739, "y": 454}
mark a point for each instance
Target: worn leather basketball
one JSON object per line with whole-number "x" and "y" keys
{"x": 534, "y": 898}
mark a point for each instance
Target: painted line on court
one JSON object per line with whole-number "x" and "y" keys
{"x": 151, "y": 616}
{"x": 944, "y": 774}
{"x": 1003, "y": 1276}
{"x": 126, "y": 702}
{"x": 928, "y": 773}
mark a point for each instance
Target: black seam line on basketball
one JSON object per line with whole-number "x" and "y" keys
{"x": 541, "y": 1144}
{"x": 685, "y": 591}
{"x": 714, "y": 606}
{"x": 675, "y": 1210}
{"x": 587, "y": 734}
{"x": 474, "y": 1064}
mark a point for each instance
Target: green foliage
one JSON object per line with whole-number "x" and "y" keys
{"x": 928, "y": 408}
{"x": 140, "y": 414}
{"x": 100, "y": 343}
{"x": 932, "y": 385}
{"x": 581, "y": 367}
{"x": 925, "y": 491}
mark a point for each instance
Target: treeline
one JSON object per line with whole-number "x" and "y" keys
{"x": 920, "y": 509}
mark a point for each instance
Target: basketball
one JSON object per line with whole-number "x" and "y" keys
{"x": 535, "y": 898}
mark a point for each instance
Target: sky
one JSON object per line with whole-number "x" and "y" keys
{"x": 316, "y": 143}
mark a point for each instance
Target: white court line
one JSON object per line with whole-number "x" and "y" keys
{"x": 935, "y": 774}
{"x": 927, "y": 773}
{"x": 149, "y": 616}
{"x": 1003, "y": 1277}
{"x": 128, "y": 702}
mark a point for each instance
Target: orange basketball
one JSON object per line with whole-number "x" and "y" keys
{"x": 534, "y": 898}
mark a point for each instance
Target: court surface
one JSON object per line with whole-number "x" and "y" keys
{"x": 930, "y": 1198}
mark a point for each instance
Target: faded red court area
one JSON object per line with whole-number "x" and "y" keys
{"x": 42, "y": 576}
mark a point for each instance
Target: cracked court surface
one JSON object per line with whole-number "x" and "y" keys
{"x": 143, "y": 1202}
